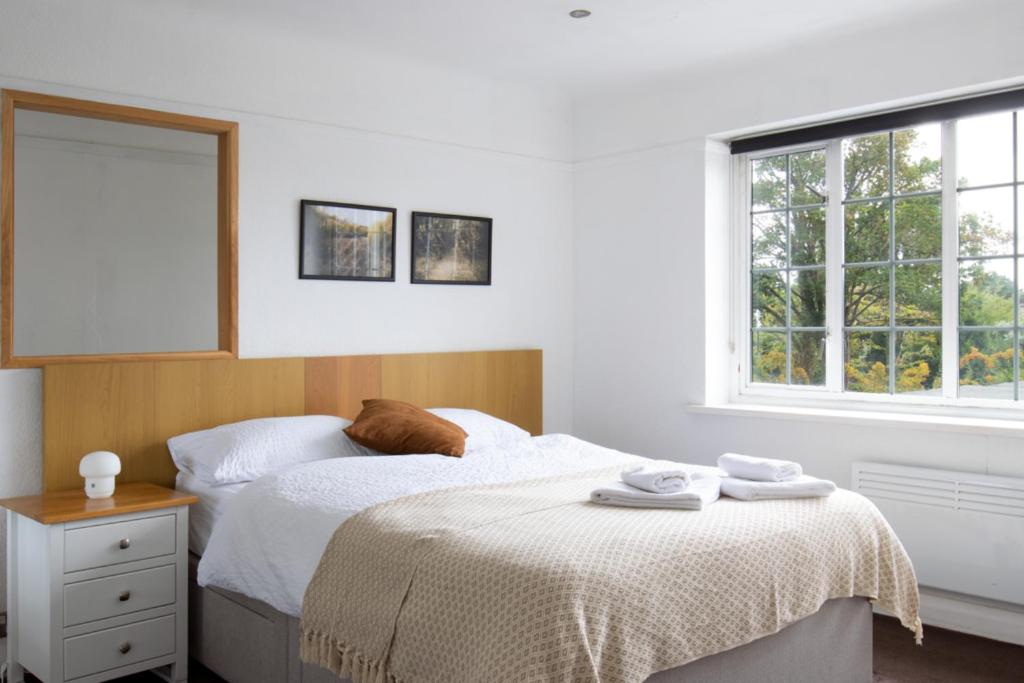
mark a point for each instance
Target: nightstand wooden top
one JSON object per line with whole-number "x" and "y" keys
{"x": 72, "y": 506}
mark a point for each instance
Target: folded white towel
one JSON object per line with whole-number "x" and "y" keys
{"x": 656, "y": 479}
{"x": 699, "y": 493}
{"x": 758, "y": 469}
{"x": 802, "y": 487}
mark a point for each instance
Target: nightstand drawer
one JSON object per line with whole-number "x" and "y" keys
{"x": 116, "y": 595}
{"x": 116, "y": 647}
{"x": 106, "y": 544}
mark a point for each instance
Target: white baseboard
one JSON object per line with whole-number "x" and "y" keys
{"x": 968, "y": 614}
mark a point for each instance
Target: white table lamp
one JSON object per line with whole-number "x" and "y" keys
{"x": 99, "y": 469}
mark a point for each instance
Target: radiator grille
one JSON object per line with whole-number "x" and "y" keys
{"x": 963, "y": 531}
{"x": 950, "y": 491}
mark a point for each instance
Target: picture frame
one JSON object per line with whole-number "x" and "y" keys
{"x": 342, "y": 241}
{"x": 450, "y": 249}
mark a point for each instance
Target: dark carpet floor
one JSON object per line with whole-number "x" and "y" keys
{"x": 945, "y": 657}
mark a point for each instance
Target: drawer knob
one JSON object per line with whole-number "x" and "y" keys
{"x": 124, "y": 595}
{"x": 124, "y": 648}
{"x": 125, "y": 543}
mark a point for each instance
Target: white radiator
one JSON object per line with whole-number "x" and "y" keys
{"x": 964, "y": 532}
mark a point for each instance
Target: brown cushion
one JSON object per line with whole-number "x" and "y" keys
{"x": 400, "y": 428}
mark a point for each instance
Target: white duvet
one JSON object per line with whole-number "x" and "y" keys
{"x": 269, "y": 540}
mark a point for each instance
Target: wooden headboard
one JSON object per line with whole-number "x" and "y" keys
{"x": 133, "y": 408}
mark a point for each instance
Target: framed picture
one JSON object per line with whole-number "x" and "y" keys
{"x": 346, "y": 241}
{"x": 450, "y": 250}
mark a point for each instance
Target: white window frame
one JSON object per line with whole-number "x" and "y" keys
{"x": 832, "y": 395}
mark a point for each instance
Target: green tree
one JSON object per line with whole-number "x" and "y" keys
{"x": 986, "y": 297}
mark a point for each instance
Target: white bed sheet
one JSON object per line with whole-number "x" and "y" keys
{"x": 268, "y": 542}
{"x": 204, "y": 515}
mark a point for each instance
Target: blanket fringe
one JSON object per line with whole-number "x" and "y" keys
{"x": 342, "y": 660}
{"x": 914, "y": 624}
{"x": 918, "y": 628}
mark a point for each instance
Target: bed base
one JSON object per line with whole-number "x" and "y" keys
{"x": 246, "y": 641}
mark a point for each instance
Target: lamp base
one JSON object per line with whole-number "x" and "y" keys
{"x": 99, "y": 487}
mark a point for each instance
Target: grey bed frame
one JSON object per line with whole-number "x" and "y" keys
{"x": 246, "y": 641}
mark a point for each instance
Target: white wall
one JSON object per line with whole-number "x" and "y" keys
{"x": 961, "y": 46}
{"x": 641, "y": 219}
{"x": 320, "y": 122}
{"x": 187, "y": 53}
{"x": 649, "y": 194}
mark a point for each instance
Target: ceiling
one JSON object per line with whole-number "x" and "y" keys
{"x": 535, "y": 41}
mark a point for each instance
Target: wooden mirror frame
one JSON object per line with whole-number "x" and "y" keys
{"x": 227, "y": 220}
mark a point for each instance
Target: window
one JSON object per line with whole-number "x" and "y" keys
{"x": 989, "y": 259}
{"x": 887, "y": 264}
{"x": 788, "y": 268}
{"x": 892, "y": 261}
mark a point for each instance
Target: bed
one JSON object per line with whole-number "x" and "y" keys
{"x": 256, "y": 569}
{"x": 244, "y": 622}
{"x": 242, "y": 639}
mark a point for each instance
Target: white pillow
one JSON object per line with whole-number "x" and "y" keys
{"x": 484, "y": 430}
{"x": 247, "y": 450}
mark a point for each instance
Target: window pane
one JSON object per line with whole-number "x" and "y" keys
{"x": 919, "y": 363}
{"x": 866, "y": 166}
{"x": 808, "y": 363}
{"x": 917, "y": 157}
{"x": 986, "y": 293}
{"x": 986, "y": 221}
{"x": 1020, "y": 212}
{"x": 768, "y": 246}
{"x": 807, "y": 178}
{"x": 919, "y": 227}
{"x": 867, "y": 231}
{"x": 768, "y": 183}
{"x": 769, "y": 357}
{"x": 867, "y": 297}
{"x": 768, "y": 305}
{"x": 1020, "y": 142}
{"x": 808, "y": 237}
{"x": 919, "y": 294}
{"x": 808, "y": 298}
{"x": 1020, "y": 291}
{"x": 984, "y": 150}
{"x": 986, "y": 364}
{"x": 867, "y": 364}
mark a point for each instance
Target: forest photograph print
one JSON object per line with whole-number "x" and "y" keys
{"x": 450, "y": 250}
{"x": 346, "y": 242}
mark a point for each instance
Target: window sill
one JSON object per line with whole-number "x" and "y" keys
{"x": 937, "y": 423}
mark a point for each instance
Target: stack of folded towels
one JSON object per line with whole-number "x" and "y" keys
{"x": 750, "y": 478}
{"x": 659, "y": 486}
{"x": 664, "y": 485}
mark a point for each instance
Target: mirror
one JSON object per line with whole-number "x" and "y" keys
{"x": 118, "y": 233}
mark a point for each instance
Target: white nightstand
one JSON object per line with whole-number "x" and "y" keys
{"x": 98, "y": 588}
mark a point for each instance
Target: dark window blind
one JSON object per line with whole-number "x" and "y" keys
{"x": 901, "y": 118}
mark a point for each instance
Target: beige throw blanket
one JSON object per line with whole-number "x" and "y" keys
{"x": 531, "y": 582}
